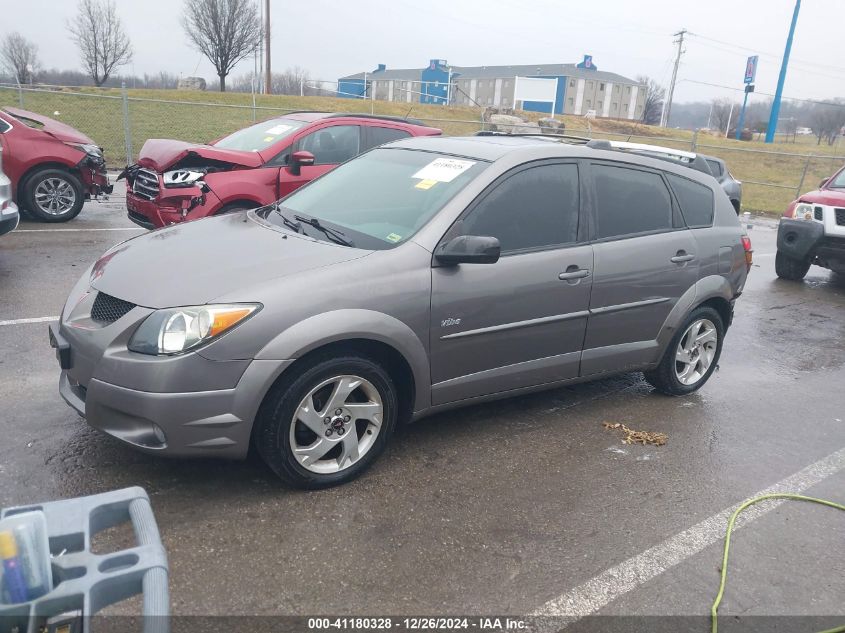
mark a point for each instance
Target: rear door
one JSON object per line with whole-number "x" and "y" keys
{"x": 518, "y": 322}
{"x": 330, "y": 144}
{"x": 645, "y": 260}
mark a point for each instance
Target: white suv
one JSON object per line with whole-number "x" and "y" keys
{"x": 812, "y": 231}
{"x": 8, "y": 211}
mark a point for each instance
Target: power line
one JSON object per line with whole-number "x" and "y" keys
{"x": 680, "y": 42}
{"x": 765, "y": 94}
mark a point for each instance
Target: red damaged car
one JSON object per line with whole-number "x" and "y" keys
{"x": 175, "y": 181}
{"x": 53, "y": 167}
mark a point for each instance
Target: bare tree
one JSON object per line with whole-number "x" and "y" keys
{"x": 827, "y": 120}
{"x": 99, "y": 35}
{"x": 19, "y": 56}
{"x": 225, "y": 31}
{"x": 291, "y": 82}
{"x": 724, "y": 114}
{"x": 654, "y": 96}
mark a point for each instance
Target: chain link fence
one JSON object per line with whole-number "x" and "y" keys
{"x": 121, "y": 123}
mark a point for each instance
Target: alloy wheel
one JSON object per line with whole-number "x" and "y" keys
{"x": 336, "y": 424}
{"x": 696, "y": 351}
{"x": 55, "y": 196}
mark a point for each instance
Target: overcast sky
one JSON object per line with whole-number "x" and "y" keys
{"x": 331, "y": 38}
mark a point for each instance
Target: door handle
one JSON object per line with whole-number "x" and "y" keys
{"x": 682, "y": 257}
{"x": 573, "y": 272}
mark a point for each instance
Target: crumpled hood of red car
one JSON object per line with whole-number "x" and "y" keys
{"x": 160, "y": 154}
{"x": 60, "y": 131}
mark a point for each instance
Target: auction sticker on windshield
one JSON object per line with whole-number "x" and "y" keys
{"x": 444, "y": 169}
{"x": 278, "y": 129}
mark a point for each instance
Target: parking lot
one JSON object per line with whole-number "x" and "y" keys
{"x": 523, "y": 506}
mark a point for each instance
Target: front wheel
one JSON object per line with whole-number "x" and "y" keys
{"x": 789, "y": 268}
{"x": 327, "y": 423}
{"x": 692, "y": 355}
{"x": 53, "y": 195}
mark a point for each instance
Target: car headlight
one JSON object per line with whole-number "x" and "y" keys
{"x": 182, "y": 177}
{"x": 92, "y": 150}
{"x": 178, "y": 330}
{"x": 803, "y": 211}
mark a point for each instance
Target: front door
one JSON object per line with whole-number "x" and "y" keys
{"x": 519, "y": 322}
{"x": 645, "y": 260}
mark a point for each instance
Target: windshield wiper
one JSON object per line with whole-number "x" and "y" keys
{"x": 333, "y": 234}
{"x": 291, "y": 224}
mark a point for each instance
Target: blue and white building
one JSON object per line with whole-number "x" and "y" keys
{"x": 581, "y": 88}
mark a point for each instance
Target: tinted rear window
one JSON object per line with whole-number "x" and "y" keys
{"x": 695, "y": 199}
{"x": 381, "y": 135}
{"x": 630, "y": 201}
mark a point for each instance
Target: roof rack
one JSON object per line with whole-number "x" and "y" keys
{"x": 550, "y": 137}
{"x": 382, "y": 117}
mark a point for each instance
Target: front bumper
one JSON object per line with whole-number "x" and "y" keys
{"x": 808, "y": 240}
{"x": 188, "y": 204}
{"x": 9, "y": 218}
{"x": 180, "y": 406}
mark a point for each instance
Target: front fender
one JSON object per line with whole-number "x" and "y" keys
{"x": 341, "y": 325}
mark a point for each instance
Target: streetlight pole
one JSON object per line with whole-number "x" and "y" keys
{"x": 267, "y": 74}
{"x": 773, "y": 116}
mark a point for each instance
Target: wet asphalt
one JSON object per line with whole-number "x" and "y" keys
{"x": 492, "y": 509}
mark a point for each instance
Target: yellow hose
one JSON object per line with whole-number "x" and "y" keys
{"x": 715, "y": 608}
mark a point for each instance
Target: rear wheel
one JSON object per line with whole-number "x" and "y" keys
{"x": 692, "y": 356}
{"x": 328, "y": 422}
{"x": 790, "y": 268}
{"x": 53, "y": 195}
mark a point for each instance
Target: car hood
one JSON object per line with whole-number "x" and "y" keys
{"x": 832, "y": 197}
{"x": 160, "y": 154}
{"x": 56, "y": 129}
{"x": 194, "y": 262}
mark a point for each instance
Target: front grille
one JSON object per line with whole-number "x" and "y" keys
{"x": 818, "y": 213}
{"x": 840, "y": 217}
{"x": 108, "y": 309}
{"x": 146, "y": 184}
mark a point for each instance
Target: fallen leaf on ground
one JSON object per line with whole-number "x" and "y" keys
{"x": 638, "y": 437}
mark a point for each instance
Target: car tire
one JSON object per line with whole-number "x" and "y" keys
{"x": 38, "y": 189}
{"x": 668, "y": 377}
{"x": 281, "y": 434}
{"x": 790, "y": 268}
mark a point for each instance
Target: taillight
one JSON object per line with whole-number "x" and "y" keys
{"x": 749, "y": 252}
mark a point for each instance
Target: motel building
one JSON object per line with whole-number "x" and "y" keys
{"x": 579, "y": 89}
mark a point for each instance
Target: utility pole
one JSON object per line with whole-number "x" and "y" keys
{"x": 773, "y": 116}
{"x": 680, "y": 42}
{"x": 267, "y": 76}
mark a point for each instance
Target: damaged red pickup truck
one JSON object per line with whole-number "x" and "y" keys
{"x": 175, "y": 181}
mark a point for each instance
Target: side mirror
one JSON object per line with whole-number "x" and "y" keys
{"x": 298, "y": 160}
{"x": 468, "y": 249}
{"x": 823, "y": 182}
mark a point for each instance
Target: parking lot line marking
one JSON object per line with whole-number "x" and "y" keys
{"x": 32, "y": 320}
{"x": 616, "y": 581}
{"x": 122, "y": 228}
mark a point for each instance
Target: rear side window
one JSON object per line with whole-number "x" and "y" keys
{"x": 695, "y": 199}
{"x": 630, "y": 201}
{"x": 4, "y": 127}
{"x": 715, "y": 168}
{"x": 381, "y": 135}
{"x": 535, "y": 208}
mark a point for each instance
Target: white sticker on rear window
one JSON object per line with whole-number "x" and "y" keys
{"x": 444, "y": 169}
{"x": 278, "y": 129}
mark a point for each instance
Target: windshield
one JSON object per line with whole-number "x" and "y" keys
{"x": 259, "y": 136}
{"x": 838, "y": 182}
{"x": 383, "y": 197}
